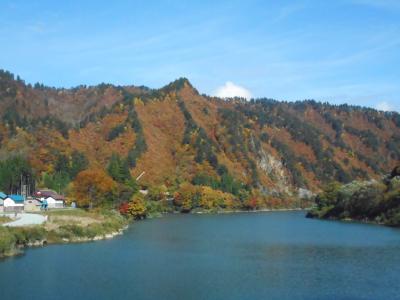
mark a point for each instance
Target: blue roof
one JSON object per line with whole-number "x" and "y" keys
{"x": 2, "y": 195}
{"x": 17, "y": 198}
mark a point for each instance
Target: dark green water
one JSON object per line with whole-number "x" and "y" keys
{"x": 277, "y": 255}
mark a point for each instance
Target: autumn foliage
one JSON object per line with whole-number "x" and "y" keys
{"x": 93, "y": 187}
{"x": 135, "y": 208}
{"x": 123, "y": 208}
{"x": 189, "y": 196}
{"x": 206, "y": 152}
{"x": 186, "y": 196}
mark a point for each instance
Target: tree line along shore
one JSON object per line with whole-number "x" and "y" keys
{"x": 376, "y": 201}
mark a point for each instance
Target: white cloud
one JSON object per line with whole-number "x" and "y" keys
{"x": 384, "y": 106}
{"x": 230, "y": 90}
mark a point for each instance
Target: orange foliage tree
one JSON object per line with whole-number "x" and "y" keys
{"x": 93, "y": 187}
{"x": 137, "y": 207}
{"x": 186, "y": 196}
{"x": 211, "y": 198}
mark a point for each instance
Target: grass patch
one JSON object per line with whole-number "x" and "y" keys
{"x": 7, "y": 242}
{"x": 71, "y": 224}
{"x": 4, "y": 219}
{"x": 73, "y": 212}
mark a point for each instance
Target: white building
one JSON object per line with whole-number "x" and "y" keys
{"x": 54, "y": 203}
{"x": 50, "y": 199}
{"x": 32, "y": 204}
{"x": 2, "y": 197}
{"x": 14, "y": 203}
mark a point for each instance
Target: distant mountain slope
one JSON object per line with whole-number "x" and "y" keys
{"x": 175, "y": 134}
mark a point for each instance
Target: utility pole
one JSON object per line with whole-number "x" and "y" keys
{"x": 140, "y": 176}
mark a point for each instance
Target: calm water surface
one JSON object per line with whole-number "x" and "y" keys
{"x": 277, "y": 255}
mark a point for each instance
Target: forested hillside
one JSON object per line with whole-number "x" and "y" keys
{"x": 259, "y": 152}
{"x": 370, "y": 200}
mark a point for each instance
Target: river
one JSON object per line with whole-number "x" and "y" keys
{"x": 271, "y": 255}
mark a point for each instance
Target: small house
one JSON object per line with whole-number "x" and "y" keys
{"x": 32, "y": 204}
{"x": 50, "y": 198}
{"x": 14, "y": 203}
{"x": 2, "y": 197}
{"x": 55, "y": 202}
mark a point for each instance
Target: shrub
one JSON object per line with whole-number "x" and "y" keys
{"x": 137, "y": 207}
{"x": 7, "y": 241}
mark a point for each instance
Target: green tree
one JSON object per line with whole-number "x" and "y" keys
{"x": 157, "y": 193}
{"x": 12, "y": 172}
{"x": 79, "y": 162}
{"x": 56, "y": 181}
{"x": 329, "y": 195}
{"x": 61, "y": 164}
{"x": 118, "y": 169}
{"x": 116, "y": 131}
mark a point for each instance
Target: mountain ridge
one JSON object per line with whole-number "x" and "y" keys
{"x": 176, "y": 134}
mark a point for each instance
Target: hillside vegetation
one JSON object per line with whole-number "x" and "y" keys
{"x": 373, "y": 200}
{"x": 92, "y": 142}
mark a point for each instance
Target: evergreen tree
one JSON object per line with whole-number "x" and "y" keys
{"x": 12, "y": 172}
{"x": 79, "y": 162}
{"x": 62, "y": 164}
{"x": 118, "y": 169}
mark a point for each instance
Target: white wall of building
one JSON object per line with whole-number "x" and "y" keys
{"x": 53, "y": 203}
{"x": 10, "y": 205}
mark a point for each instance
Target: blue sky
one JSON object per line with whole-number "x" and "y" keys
{"x": 337, "y": 51}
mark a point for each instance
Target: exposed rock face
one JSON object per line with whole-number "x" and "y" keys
{"x": 305, "y": 194}
{"x": 37, "y": 243}
{"x": 275, "y": 170}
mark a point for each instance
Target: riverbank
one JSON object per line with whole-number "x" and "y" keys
{"x": 78, "y": 226}
{"x": 62, "y": 226}
{"x": 262, "y": 210}
{"x": 234, "y": 211}
{"x": 312, "y": 215}
{"x": 369, "y": 201}
{"x": 4, "y": 219}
